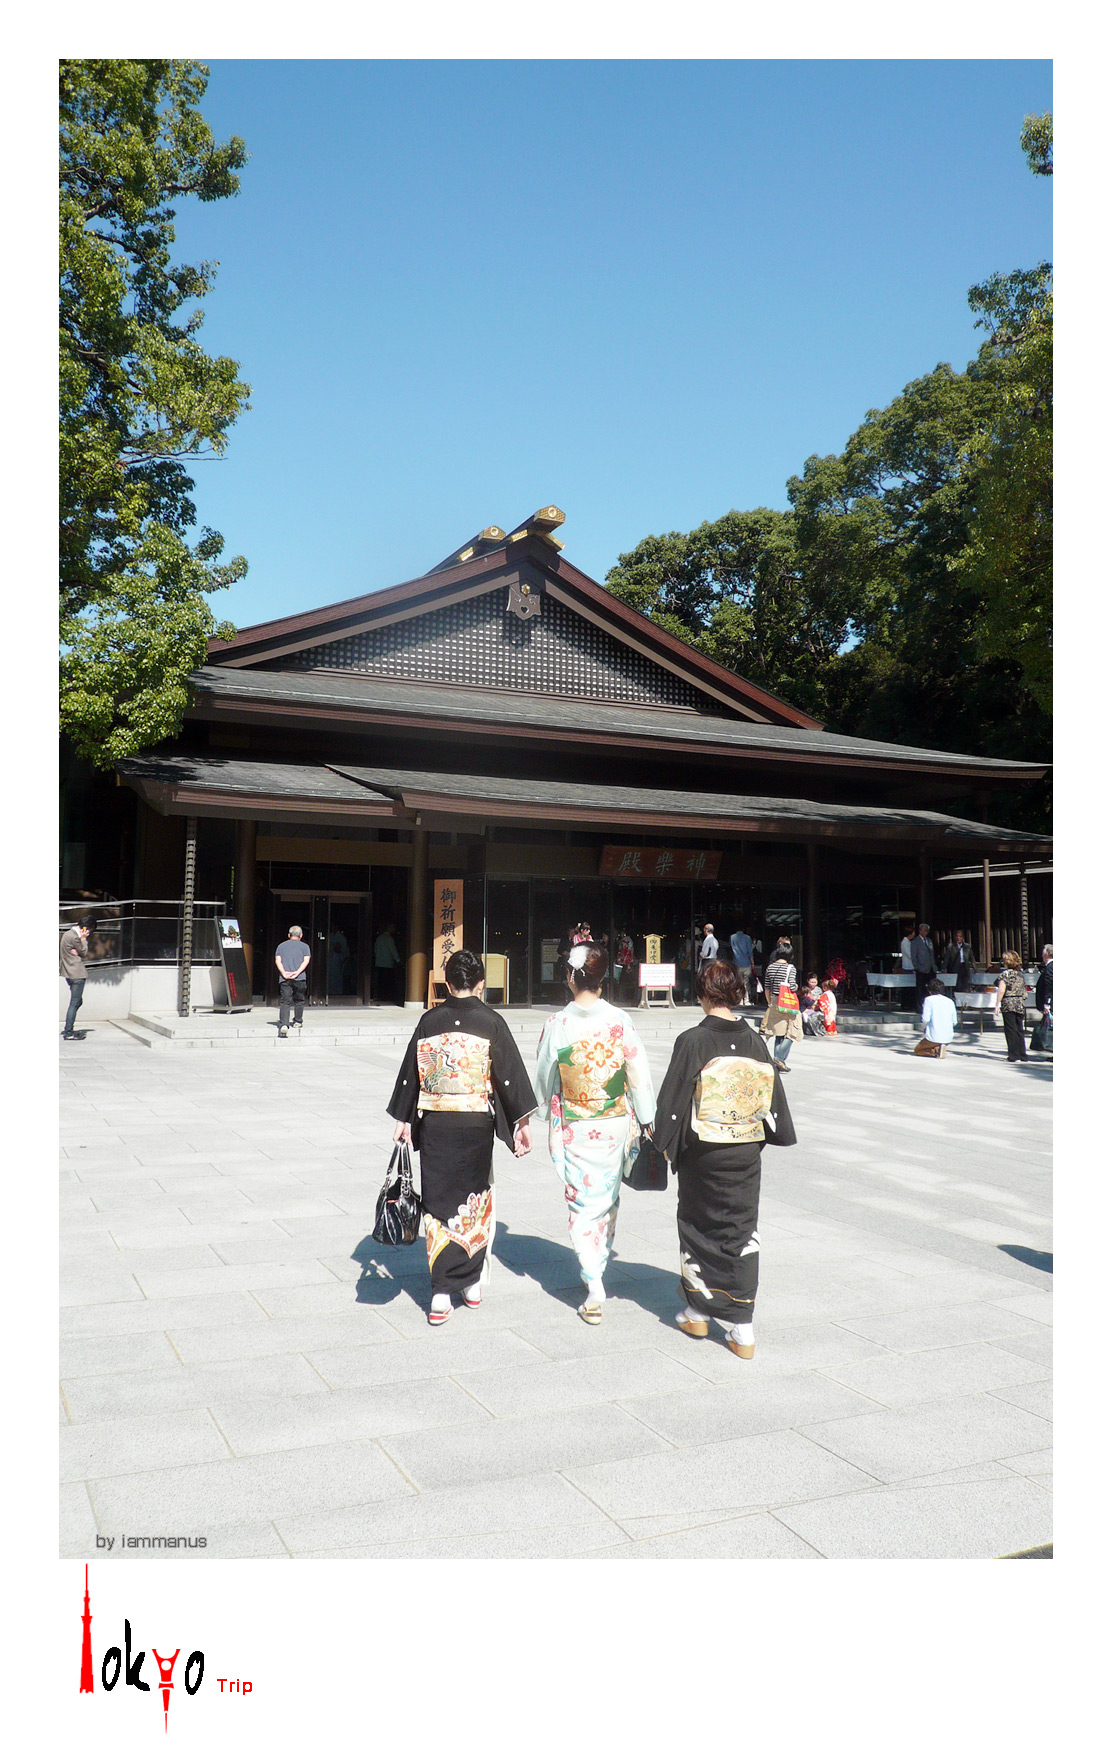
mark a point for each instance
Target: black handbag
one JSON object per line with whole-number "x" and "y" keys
{"x": 647, "y": 1167}
{"x": 398, "y": 1214}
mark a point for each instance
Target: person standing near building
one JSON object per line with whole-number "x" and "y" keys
{"x": 781, "y": 1020}
{"x": 959, "y": 958}
{"x": 386, "y": 958}
{"x": 1012, "y": 993}
{"x": 292, "y": 959}
{"x": 708, "y": 948}
{"x": 72, "y": 951}
{"x": 594, "y": 1084}
{"x": 923, "y": 962}
{"x": 742, "y": 948}
{"x": 1042, "y": 1037}
{"x": 906, "y": 995}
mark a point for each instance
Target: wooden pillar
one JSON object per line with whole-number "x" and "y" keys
{"x": 417, "y": 922}
{"x": 925, "y": 888}
{"x": 247, "y": 834}
{"x": 812, "y": 961}
{"x": 189, "y": 888}
{"x": 987, "y": 917}
{"x": 1025, "y": 932}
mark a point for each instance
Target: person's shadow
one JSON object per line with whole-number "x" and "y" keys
{"x": 555, "y": 1268}
{"x": 1041, "y": 1258}
{"x": 388, "y": 1270}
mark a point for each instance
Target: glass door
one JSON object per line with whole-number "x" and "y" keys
{"x": 345, "y": 950}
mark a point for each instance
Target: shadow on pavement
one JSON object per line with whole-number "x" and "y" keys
{"x": 1040, "y": 1258}
{"x": 385, "y": 1272}
{"x": 557, "y": 1271}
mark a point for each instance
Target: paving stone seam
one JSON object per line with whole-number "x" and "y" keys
{"x": 414, "y": 1486}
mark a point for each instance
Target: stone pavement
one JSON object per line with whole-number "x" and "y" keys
{"x": 240, "y": 1362}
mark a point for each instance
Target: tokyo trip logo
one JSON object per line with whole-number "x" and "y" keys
{"x": 116, "y": 1661}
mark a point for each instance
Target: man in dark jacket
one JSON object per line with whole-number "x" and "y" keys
{"x": 72, "y": 951}
{"x": 959, "y": 958}
{"x": 923, "y": 962}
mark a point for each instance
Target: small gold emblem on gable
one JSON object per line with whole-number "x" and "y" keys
{"x": 523, "y": 601}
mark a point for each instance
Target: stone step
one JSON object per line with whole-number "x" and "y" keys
{"x": 385, "y": 1028}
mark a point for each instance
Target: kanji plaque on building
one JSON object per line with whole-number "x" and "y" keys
{"x": 659, "y": 863}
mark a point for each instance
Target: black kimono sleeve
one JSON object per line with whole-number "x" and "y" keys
{"x": 511, "y": 1086}
{"x": 403, "y": 1100}
{"x": 674, "y": 1099}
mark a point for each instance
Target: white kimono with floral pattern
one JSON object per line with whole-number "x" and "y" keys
{"x": 593, "y": 1077}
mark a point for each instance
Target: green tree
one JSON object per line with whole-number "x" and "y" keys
{"x": 139, "y": 399}
{"x": 738, "y": 590}
{"x": 1036, "y": 142}
{"x": 1008, "y": 556}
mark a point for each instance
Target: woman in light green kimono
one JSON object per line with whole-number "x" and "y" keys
{"x": 593, "y": 1079}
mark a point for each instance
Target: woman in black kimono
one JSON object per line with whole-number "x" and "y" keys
{"x": 720, "y": 1101}
{"x": 462, "y": 1081}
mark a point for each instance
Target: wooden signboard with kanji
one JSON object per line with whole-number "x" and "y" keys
{"x": 659, "y": 863}
{"x": 448, "y": 923}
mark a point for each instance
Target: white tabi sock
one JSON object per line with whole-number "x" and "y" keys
{"x": 743, "y": 1332}
{"x": 595, "y": 1291}
{"x": 441, "y": 1302}
{"x": 472, "y": 1292}
{"x": 691, "y": 1315}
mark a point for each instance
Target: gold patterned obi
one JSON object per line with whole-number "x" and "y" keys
{"x": 593, "y": 1076}
{"x": 731, "y": 1098}
{"x": 455, "y": 1072}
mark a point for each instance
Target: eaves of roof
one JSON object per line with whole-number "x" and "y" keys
{"x": 318, "y": 697}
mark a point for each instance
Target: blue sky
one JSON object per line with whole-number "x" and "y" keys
{"x": 645, "y": 291}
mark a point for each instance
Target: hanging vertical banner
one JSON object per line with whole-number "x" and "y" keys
{"x": 448, "y": 923}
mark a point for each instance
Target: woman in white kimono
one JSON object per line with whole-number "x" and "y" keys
{"x": 593, "y": 1078}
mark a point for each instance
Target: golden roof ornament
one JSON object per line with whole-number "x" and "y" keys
{"x": 523, "y": 601}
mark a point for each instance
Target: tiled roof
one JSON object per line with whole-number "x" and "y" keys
{"x": 595, "y": 718}
{"x": 356, "y": 784}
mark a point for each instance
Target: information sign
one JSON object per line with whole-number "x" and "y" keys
{"x": 233, "y": 960}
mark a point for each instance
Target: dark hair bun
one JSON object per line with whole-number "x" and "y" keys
{"x": 463, "y": 970}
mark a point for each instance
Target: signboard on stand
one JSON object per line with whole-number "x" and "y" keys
{"x": 656, "y": 981}
{"x": 233, "y": 965}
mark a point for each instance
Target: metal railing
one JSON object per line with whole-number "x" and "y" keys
{"x": 129, "y": 932}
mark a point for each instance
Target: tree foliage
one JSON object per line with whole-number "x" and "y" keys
{"x": 1036, "y": 142}
{"x": 906, "y": 593}
{"x": 139, "y": 398}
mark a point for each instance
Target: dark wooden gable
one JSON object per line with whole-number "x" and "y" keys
{"x": 452, "y": 627}
{"x": 481, "y": 642}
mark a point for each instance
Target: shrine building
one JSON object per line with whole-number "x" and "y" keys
{"x": 504, "y": 722}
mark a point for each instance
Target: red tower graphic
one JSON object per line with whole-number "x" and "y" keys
{"x": 165, "y": 1680}
{"x": 87, "y": 1642}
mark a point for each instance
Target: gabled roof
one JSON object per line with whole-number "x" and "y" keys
{"x": 464, "y": 576}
